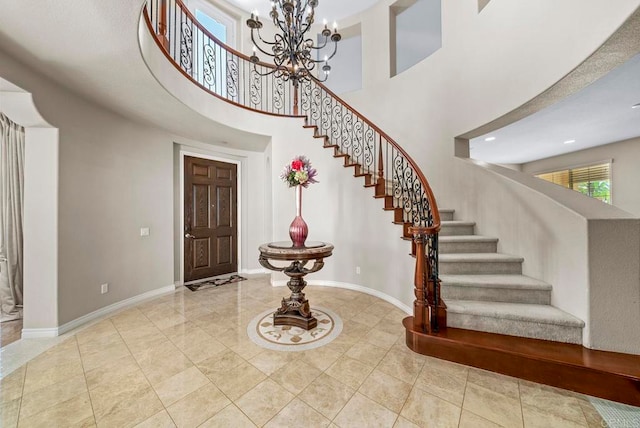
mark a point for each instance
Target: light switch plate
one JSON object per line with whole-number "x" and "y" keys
{"x": 144, "y": 231}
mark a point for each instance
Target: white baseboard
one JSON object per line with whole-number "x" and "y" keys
{"x": 37, "y": 333}
{"x": 34, "y": 333}
{"x": 361, "y": 288}
{"x": 254, "y": 271}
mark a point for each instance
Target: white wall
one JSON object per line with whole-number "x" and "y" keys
{"x": 108, "y": 177}
{"x": 625, "y": 173}
{"x": 113, "y": 177}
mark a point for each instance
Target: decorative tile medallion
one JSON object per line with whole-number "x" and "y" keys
{"x": 288, "y": 338}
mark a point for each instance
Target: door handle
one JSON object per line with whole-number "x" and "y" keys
{"x": 188, "y": 235}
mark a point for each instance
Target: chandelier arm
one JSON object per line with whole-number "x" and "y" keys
{"x": 281, "y": 24}
{"x": 316, "y": 61}
{"x": 300, "y": 10}
{"x": 255, "y": 68}
{"x": 278, "y": 61}
{"x": 299, "y": 44}
{"x": 266, "y": 42}
{"x": 312, "y": 67}
{"x": 282, "y": 43}
{"x": 257, "y": 46}
{"x": 335, "y": 50}
{"x": 317, "y": 79}
{"x": 306, "y": 26}
{"x": 326, "y": 40}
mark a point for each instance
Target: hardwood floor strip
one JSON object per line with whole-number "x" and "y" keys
{"x": 610, "y": 375}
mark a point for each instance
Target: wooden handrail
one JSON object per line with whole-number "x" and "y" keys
{"x": 197, "y": 23}
{"x": 429, "y": 309}
{"x": 149, "y": 25}
{"x": 423, "y": 180}
{"x": 433, "y": 228}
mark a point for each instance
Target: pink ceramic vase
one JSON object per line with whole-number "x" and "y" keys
{"x": 298, "y": 230}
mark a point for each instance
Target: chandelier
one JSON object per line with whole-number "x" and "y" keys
{"x": 293, "y": 50}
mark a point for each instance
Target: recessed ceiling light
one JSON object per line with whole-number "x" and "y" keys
{"x": 489, "y": 138}
{"x": 636, "y": 105}
{"x": 570, "y": 141}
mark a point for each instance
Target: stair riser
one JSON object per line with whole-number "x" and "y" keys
{"x": 480, "y": 268}
{"x": 456, "y": 230}
{"x": 446, "y": 215}
{"x": 489, "y": 294}
{"x": 558, "y": 333}
{"x": 468, "y": 247}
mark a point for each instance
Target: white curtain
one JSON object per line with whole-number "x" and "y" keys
{"x": 11, "y": 213}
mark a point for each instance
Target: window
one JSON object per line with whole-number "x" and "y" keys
{"x": 216, "y": 21}
{"x": 593, "y": 181}
{"x": 216, "y": 28}
{"x": 210, "y": 61}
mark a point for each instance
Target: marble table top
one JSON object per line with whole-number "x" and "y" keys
{"x": 284, "y": 250}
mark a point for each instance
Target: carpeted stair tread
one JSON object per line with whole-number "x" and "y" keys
{"x": 479, "y": 257}
{"x": 457, "y": 223}
{"x": 541, "y": 314}
{"x": 520, "y": 282}
{"x": 466, "y": 238}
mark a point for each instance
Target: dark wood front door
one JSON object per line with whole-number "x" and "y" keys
{"x": 210, "y": 218}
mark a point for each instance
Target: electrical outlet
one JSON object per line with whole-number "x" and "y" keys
{"x": 357, "y": 270}
{"x": 144, "y": 231}
{"x": 104, "y": 288}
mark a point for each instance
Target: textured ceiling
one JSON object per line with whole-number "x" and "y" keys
{"x": 91, "y": 47}
{"x": 599, "y": 114}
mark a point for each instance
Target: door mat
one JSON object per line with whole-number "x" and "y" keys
{"x": 215, "y": 282}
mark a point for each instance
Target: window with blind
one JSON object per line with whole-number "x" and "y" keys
{"x": 593, "y": 180}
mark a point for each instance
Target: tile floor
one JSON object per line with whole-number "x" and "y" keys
{"x": 185, "y": 360}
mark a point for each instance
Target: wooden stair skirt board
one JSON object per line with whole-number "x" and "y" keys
{"x": 607, "y": 375}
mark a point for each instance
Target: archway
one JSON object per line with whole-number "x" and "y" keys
{"x": 40, "y": 212}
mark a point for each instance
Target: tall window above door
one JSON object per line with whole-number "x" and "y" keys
{"x": 218, "y": 22}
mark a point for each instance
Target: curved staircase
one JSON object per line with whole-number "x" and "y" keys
{"x": 494, "y": 317}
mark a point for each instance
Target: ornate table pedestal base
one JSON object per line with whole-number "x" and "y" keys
{"x": 295, "y": 310}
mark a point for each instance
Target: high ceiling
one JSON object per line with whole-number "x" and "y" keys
{"x": 113, "y": 74}
{"x": 66, "y": 42}
{"x": 331, "y": 10}
{"x": 599, "y": 114}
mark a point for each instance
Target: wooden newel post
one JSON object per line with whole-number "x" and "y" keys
{"x": 420, "y": 306}
{"x": 162, "y": 25}
{"x": 295, "y": 98}
{"x": 380, "y": 185}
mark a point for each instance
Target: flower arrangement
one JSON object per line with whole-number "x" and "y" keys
{"x": 299, "y": 172}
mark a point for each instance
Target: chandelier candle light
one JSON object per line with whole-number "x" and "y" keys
{"x": 293, "y": 50}
{"x": 299, "y": 173}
